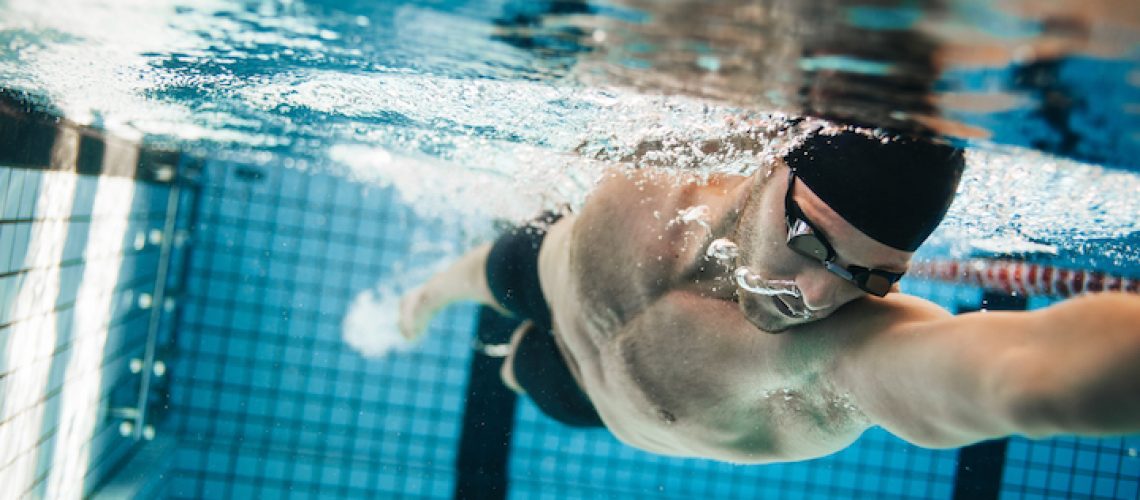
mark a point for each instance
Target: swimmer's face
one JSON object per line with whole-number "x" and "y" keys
{"x": 763, "y": 248}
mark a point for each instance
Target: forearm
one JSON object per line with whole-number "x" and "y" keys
{"x": 463, "y": 280}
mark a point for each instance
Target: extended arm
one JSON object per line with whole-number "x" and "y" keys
{"x": 1073, "y": 368}
{"x": 463, "y": 280}
{"x": 930, "y": 378}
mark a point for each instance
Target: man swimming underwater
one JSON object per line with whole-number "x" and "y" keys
{"x": 660, "y": 327}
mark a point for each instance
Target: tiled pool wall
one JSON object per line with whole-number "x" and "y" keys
{"x": 271, "y": 400}
{"x": 79, "y": 268}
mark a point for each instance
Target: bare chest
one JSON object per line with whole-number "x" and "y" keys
{"x": 673, "y": 392}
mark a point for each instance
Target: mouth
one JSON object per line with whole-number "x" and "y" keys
{"x": 796, "y": 311}
{"x": 783, "y": 308}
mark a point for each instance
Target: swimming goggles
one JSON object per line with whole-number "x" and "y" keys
{"x": 807, "y": 240}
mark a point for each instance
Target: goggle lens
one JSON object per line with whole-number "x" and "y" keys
{"x": 809, "y": 246}
{"x": 874, "y": 284}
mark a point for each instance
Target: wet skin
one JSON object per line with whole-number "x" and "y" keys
{"x": 608, "y": 270}
{"x": 678, "y": 362}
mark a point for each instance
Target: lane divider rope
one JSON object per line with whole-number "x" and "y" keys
{"x": 1024, "y": 278}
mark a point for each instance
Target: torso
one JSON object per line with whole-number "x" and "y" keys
{"x": 603, "y": 268}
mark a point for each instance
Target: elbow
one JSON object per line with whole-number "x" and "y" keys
{"x": 1082, "y": 375}
{"x": 1035, "y": 399}
{"x": 1034, "y": 413}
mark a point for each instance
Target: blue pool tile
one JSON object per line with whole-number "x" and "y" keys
{"x": 29, "y": 195}
{"x": 14, "y": 190}
{"x": 5, "y": 181}
{"x": 17, "y": 245}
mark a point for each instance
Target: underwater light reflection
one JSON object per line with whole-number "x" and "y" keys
{"x": 32, "y": 342}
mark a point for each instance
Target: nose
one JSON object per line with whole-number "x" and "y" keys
{"x": 823, "y": 290}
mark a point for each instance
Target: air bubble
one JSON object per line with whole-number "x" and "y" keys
{"x": 723, "y": 250}
{"x": 698, "y": 214}
{"x": 754, "y": 283}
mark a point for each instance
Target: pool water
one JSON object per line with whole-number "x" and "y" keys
{"x": 342, "y": 150}
{"x": 453, "y": 101}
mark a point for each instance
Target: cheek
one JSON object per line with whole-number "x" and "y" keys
{"x": 770, "y": 258}
{"x": 763, "y": 248}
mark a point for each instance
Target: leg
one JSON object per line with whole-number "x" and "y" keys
{"x": 463, "y": 280}
{"x": 536, "y": 368}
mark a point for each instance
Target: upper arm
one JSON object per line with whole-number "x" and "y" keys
{"x": 940, "y": 380}
{"x": 934, "y": 379}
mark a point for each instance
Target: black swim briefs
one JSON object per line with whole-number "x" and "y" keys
{"x": 512, "y": 274}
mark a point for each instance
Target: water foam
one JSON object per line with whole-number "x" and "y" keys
{"x": 369, "y": 326}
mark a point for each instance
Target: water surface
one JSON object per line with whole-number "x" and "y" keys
{"x": 492, "y": 108}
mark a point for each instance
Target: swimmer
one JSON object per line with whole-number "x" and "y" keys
{"x": 789, "y": 338}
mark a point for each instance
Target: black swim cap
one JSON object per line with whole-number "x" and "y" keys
{"x": 896, "y": 191}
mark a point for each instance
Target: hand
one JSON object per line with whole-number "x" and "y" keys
{"x": 415, "y": 313}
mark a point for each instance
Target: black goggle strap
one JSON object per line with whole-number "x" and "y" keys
{"x": 842, "y": 272}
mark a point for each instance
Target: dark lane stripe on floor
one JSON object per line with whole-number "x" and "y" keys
{"x": 488, "y": 418}
{"x": 980, "y": 466}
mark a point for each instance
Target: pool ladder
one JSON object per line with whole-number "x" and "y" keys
{"x": 133, "y": 419}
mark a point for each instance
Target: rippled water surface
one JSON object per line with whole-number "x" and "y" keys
{"x": 464, "y": 104}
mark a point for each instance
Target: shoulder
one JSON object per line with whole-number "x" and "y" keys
{"x": 873, "y": 315}
{"x": 621, "y": 251}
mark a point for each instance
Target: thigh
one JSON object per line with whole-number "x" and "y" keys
{"x": 540, "y": 371}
